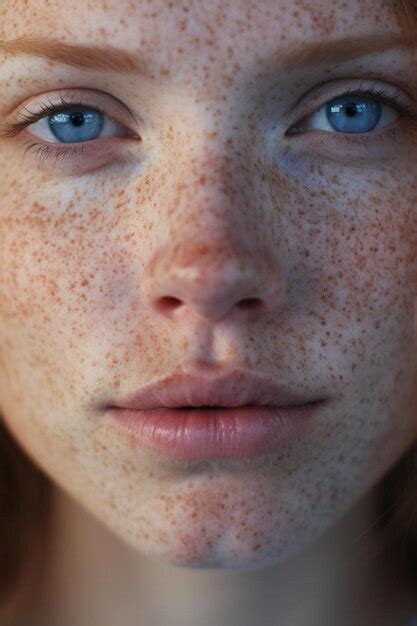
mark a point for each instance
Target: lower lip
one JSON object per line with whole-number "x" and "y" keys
{"x": 234, "y": 432}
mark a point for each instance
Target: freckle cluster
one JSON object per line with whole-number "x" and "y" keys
{"x": 118, "y": 276}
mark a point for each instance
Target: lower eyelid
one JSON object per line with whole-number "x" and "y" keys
{"x": 82, "y": 156}
{"x": 123, "y": 136}
{"x": 360, "y": 150}
{"x": 304, "y": 126}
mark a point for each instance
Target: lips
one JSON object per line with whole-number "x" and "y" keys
{"x": 190, "y": 416}
{"x": 232, "y": 389}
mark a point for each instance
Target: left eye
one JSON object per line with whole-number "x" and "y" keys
{"x": 75, "y": 125}
{"x": 349, "y": 114}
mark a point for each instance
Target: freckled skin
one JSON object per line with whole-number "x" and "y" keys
{"x": 92, "y": 260}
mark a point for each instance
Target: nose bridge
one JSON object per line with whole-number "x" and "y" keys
{"x": 213, "y": 261}
{"x": 207, "y": 209}
{"x": 208, "y": 146}
{"x": 212, "y": 190}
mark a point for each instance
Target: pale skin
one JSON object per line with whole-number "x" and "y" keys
{"x": 94, "y": 252}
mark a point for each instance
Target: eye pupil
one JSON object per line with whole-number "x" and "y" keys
{"x": 351, "y": 110}
{"x": 77, "y": 119}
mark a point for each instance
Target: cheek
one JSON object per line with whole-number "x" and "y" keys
{"x": 371, "y": 260}
{"x": 49, "y": 254}
{"x": 351, "y": 273}
{"x": 359, "y": 234}
{"x": 41, "y": 314}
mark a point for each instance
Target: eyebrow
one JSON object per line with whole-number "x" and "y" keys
{"x": 112, "y": 59}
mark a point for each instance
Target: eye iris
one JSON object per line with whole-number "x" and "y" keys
{"x": 357, "y": 114}
{"x": 71, "y": 126}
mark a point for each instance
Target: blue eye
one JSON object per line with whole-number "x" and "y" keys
{"x": 76, "y": 125}
{"x": 353, "y": 114}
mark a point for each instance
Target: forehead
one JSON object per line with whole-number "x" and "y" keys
{"x": 167, "y": 29}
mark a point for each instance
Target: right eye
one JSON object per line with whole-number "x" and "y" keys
{"x": 75, "y": 125}
{"x": 75, "y": 130}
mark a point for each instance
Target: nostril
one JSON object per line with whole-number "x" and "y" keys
{"x": 249, "y": 303}
{"x": 167, "y": 303}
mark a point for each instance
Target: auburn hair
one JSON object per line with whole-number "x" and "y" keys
{"x": 26, "y": 496}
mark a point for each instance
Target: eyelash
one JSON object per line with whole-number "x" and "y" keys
{"x": 384, "y": 96}
{"x": 45, "y": 151}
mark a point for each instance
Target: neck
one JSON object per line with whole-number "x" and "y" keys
{"x": 94, "y": 577}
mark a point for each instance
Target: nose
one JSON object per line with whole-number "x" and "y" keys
{"x": 219, "y": 261}
{"x": 212, "y": 278}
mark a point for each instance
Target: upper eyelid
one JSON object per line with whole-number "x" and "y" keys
{"x": 361, "y": 83}
{"x": 89, "y": 97}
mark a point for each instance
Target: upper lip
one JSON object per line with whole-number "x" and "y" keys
{"x": 236, "y": 388}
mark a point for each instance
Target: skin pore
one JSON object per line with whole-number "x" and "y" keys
{"x": 127, "y": 261}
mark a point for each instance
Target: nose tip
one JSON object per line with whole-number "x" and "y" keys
{"x": 213, "y": 285}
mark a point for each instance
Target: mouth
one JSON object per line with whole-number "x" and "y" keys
{"x": 237, "y": 414}
{"x": 215, "y": 432}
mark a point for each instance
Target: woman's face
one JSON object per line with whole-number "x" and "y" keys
{"x": 224, "y": 152}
